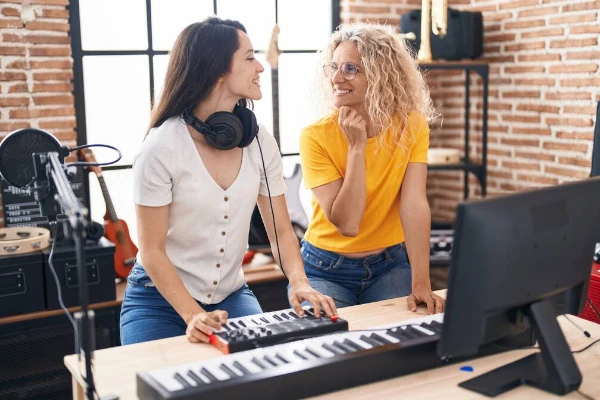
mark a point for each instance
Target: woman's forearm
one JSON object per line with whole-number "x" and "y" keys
{"x": 293, "y": 266}
{"x": 164, "y": 276}
{"x": 416, "y": 222}
{"x": 349, "y": 205}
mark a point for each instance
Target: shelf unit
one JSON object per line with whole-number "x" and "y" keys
{"x": 466, "y": 165}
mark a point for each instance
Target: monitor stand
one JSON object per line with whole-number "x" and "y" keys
{"x": 553, "y": 369}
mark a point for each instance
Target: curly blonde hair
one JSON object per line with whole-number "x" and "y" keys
{"x": 395, "y": 86}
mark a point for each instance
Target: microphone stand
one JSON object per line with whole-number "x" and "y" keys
{"x": 48, "y": 165}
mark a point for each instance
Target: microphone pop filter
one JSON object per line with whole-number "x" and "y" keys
{"x": 16, "y": 150}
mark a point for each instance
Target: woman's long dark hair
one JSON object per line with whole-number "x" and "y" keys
{"x": 200, "y": 56}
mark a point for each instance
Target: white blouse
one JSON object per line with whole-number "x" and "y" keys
{"x": 208, "y": 226}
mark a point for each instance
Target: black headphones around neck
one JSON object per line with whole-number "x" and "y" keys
{"x": 225, "y": 130}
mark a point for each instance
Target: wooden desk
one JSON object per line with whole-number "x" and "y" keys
{"x": 115, "y": 369}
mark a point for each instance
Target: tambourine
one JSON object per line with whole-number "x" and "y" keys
{"x": 23, "y": 240}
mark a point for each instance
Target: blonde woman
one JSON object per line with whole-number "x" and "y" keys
{"x": 366, "y": 164}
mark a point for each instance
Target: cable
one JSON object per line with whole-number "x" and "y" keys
{"x": 58, "y": 288}
{"x": 586, "y": 347}
{"x": 96, "y": 164}
{"x": 273, "y": 215}
{"x": 593, "y": 307}
{"x": 584, "y": 395}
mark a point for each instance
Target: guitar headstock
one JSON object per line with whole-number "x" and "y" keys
{"x": 88, "y": 156}
{"x": 273, "y": 51}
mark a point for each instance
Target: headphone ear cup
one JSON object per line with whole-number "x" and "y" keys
{"x": 249, "y": 122}
{"x": 226, "y": 130}
{"x": 94, "y": 231}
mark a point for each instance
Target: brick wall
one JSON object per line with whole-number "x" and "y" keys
{"x": 544, "y": 60}
{"x": 36, "y": 68}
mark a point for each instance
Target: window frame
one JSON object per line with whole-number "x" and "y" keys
{"x": 78, "y": 79}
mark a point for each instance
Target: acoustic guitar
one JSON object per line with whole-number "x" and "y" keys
{"x": 272, "y": 57}
{"x": 115, "y": 229}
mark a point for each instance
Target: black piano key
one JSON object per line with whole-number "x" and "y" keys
{"x": 226, "y": 328}
{"x": 209, "y": 375}
{"x": 257, "y": 323}
{"x": 279, "y": 356}
{"x": 299, "y": 354}
{"x": 242, "y": 324}
{"x": 284, "y": 315}
{"x": 182, "y": 380}
{"x": 312, "y": 352}
{"x": 268, "y": 359}
{"x": 416, "y": 332}
{"x": 234, "y": 325}
{"x": 380, "y": 338}
{"x": 407, "y": 333}
{"x": 399, "y": 334}
{"x": 343, "y": 347}
{"x": 244, "y": 370}
{"x": 259, "y": 363}
{"x": 332, "y": 349}
{"x": 293, "y": 314}
{"x": 195, "y": 378}
{"x": 264, "y": 320}
{"x": 372, "y": 342}
{"x": 425, "y": 325}
{"x": 228, "y": 371}
{"x": 353, "y": 345}
{"x": 436, "y": 326}
{"x": 277, "y": 317}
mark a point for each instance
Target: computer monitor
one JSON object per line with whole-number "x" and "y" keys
{"x": 518, "y": 261}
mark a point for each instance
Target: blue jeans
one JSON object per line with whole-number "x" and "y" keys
{"x": 352, "y": 281}
{"x": 146, "y": 315}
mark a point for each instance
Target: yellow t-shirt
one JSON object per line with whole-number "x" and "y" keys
{"x": 324, "y": 153}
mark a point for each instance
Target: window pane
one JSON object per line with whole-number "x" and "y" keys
{"x": 299, "y": 98}
{"x": 170, "y": 17}
{"x": 257, "y": 16}
{"x": 160, "y": 71}
{"x": 117, "y": 101}
{"x": 120, "y": 188}
{"x": 293, "y": 17}
{"x": 113, "y": 25}
{"x": 263, "y": 108}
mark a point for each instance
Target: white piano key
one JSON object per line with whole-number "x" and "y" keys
{"x": 424, "y": 330}
{"x": 166, "y": 377}
{"x": 214, "y": 368}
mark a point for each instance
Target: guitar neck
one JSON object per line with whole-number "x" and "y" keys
{"x": 110, "y": 208}
{"x": 275, "y": 95}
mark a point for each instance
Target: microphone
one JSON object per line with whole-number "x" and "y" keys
{"x": 16, "y": 150}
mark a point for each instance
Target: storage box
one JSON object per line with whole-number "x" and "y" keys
{"x": 594, "y": 295}
{"x": 21, "y": 284}
{"x": 100, "y": 268}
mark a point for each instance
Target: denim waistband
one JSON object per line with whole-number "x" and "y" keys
{"x": 331, "y": 257}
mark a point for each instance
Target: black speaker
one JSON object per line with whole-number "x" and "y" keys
{"x": 464, "y": 37}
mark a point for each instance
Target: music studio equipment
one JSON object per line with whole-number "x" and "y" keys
{"x": 266, "y": 329}
{"x": 458, "y": 34}
{"x": 115, "y": 229}
{"x": 100, "y": 274}
{"x": 23, "y": 240}
{"x": 33, "y": 160}
{"x": 441, "y": 242}
{"x": 307, "y": 367}
{"x": 224, "y": 130}
{"x": 21, "y": 284}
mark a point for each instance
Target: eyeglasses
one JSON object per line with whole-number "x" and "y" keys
{"x": 348, "y": 70}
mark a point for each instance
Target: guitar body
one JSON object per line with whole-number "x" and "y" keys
{"x": 125, "y": 250}
{"x": 115, "y": 229}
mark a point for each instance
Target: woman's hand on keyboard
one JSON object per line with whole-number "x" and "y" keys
{"x": 203, "y": 324}
{"x": 302, "y": 291}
